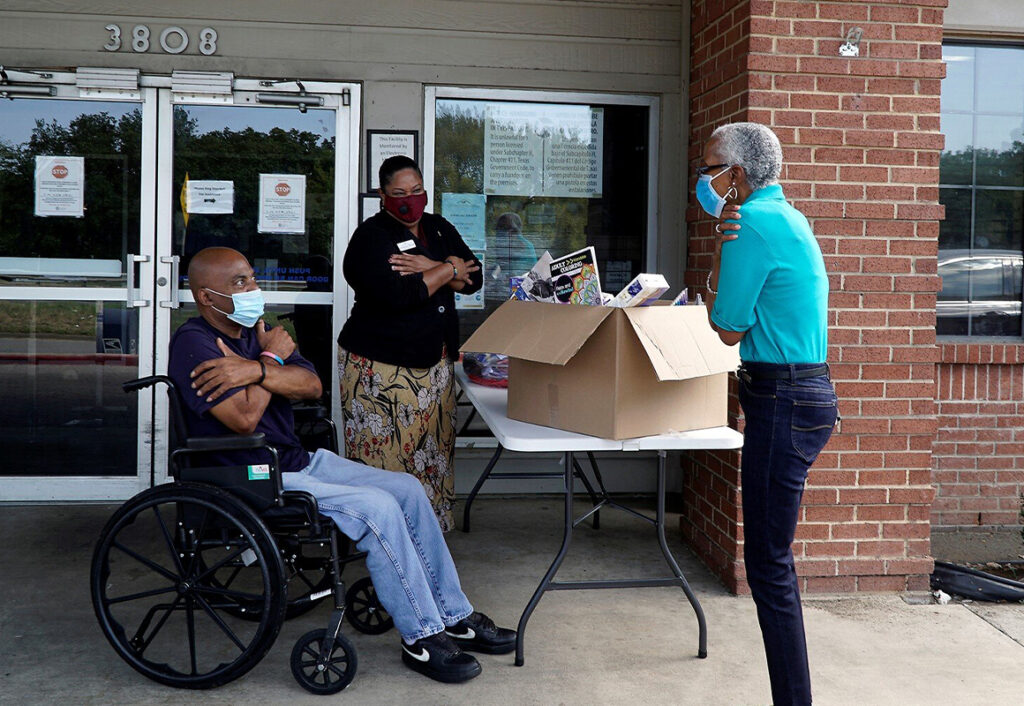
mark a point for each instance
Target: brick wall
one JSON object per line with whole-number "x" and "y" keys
{"x": 861, "y": 148}
{"x": 978, "y": 456}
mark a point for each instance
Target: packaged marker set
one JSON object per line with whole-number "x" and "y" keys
{"x": 644, "y": 290}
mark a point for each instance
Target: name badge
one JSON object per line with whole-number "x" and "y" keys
{"x": 406, "y": 245}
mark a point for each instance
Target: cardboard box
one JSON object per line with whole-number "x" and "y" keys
{"x": 613, "y": 373}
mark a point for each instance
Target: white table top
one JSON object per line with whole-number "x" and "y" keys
{"x": 492, "y": 405}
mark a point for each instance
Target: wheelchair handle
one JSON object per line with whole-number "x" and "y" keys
{"x": 149, "y": 381}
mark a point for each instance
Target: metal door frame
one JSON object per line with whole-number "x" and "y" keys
{"x": 157, "y": 96}
{"x": 92, "y": 488}
{"x": 344, "y": 99}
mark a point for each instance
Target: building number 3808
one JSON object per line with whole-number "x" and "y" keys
{"x": 173, "y": 40}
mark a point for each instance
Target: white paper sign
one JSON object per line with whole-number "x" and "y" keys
{"x": 369, "y": 205}
{"x": 205, "y": 196}
{"x": 467, "y": 213}
{"x": 60, "y": 186}
{"x": 282, "y": 203}
{"x": 543, "y": 150}
{"x": 383, "y": 145}
{"x": 475, "y": 300}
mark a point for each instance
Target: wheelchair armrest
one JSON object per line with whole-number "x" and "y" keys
{"x": 234, "y": 442}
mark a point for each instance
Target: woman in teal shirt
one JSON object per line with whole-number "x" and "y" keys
{"x": 768, "y": 292}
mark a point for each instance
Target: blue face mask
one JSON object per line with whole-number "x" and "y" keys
{"x": 708, "y": 198}
{"x": 248, "y": 307}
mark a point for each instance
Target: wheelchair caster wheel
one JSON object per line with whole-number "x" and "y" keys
{"x": 363, "y": 609}
{"x": 323, "y": 674}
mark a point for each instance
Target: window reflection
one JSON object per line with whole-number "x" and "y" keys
{"x": 519, "y": 178}
{"x": 982, "y": 170}
{"x": 61, "y": 368}
{"x": 981, "y": 293}
{"x": 65, "y": 250}
{"x": 237, "y": 144}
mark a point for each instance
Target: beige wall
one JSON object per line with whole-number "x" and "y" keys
{"x": 395, "y": 47}
{"x": 988, "y": 17}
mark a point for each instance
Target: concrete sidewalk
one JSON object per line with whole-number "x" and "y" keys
{"x": 593, "y": 647}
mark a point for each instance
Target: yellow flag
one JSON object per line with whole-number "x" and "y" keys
{"x": 184, "y": 199}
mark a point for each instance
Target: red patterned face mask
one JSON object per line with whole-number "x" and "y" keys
{"x": 407, "y": 209}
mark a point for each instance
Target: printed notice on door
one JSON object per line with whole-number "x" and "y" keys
{"x": 60, "y": 186}
{"x": 543, "y": 150}
{"x": 282, "y": 204}
{"x": 466, "y": 212}
{"x": 476, "y": 299}
{"x": 209, "y": 196}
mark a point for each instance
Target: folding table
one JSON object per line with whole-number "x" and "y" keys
{"x": 492, "y": 405}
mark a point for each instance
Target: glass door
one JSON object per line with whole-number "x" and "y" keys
{"x": 269, "y": 169}
{"x": 76, "y": 285}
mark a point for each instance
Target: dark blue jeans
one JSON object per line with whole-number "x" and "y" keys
{"x": 788, "y": 422}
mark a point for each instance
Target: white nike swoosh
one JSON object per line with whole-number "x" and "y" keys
{"x": 468, "y": 635}
{"x": 425, "y": 657}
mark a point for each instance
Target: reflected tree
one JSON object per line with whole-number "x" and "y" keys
{"x": 111, "y": 146}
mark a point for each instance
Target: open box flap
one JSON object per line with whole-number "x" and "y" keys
{"x": 680, "y": 342}
{"x": 537, "y": 331}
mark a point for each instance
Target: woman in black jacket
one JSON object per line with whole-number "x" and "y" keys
{"x": 397, "y": 348}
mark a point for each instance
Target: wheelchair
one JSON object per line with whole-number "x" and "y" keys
{"x": 192, "y": 580}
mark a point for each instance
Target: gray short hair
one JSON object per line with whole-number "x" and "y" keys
{"x": 755, "y": 148}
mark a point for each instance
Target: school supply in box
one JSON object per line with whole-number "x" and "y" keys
{"x": 644, "y": 290}
{"x": 535, "y": 285}
{"x": 575, "y": 278}
{"x": 489, "y": 369}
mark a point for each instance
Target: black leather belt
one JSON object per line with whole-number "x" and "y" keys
{"x": 783, "y": 373}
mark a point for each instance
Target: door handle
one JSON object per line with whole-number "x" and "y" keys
{"x": 130, "y": 301}
{"x": 173, "y": 302}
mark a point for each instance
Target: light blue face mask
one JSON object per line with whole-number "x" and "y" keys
{"x": 708, "y": 198}
{"x": 248, "y": 307}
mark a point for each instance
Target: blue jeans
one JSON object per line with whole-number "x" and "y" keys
{"x": 388, "y": 516}
{"x": 788, "y": 422}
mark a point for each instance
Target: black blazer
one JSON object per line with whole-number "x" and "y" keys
{"x": 393, "y": 319}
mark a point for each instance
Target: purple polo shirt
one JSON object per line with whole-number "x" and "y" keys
{"x": 196, "y": 341}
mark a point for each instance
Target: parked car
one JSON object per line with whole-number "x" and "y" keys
{"x": 981, "y": 292}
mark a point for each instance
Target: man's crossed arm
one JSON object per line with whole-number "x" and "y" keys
{"x": 241, "y": 412}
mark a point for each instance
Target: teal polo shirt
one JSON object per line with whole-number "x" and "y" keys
{"x": 772, "y": 284}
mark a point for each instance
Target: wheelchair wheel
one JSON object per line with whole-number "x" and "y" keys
{"x": 321, "y": 673}
{"x": 162, "y": 588}
{"x": 364, "y": 610}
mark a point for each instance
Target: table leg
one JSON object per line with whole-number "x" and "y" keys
{"x": 590, "y": 491}
{"x": 553, "y": 569}
{"x": 597, "y": 473}
{"x": 702, "y": 628}
{"x": 476, "y": 488}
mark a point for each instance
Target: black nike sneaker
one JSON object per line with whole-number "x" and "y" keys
{"x": 478, "y": 633}
{"x": 439, "y": 658}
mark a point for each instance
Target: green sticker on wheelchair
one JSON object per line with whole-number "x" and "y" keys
{"x": 260, "y": 472}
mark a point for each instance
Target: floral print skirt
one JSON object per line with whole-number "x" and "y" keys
{"x": 402, "y": 419}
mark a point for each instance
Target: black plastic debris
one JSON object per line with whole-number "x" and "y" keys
{"x": 977, "y": 585}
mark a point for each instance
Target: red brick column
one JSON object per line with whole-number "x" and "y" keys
{"x": 861, "y": 149}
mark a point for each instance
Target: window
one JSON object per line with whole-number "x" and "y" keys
{"x": 520, "y": 173}
{"x": 982, "y": 186}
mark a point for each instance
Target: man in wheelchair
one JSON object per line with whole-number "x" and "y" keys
{"x": 235, "y": 375}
